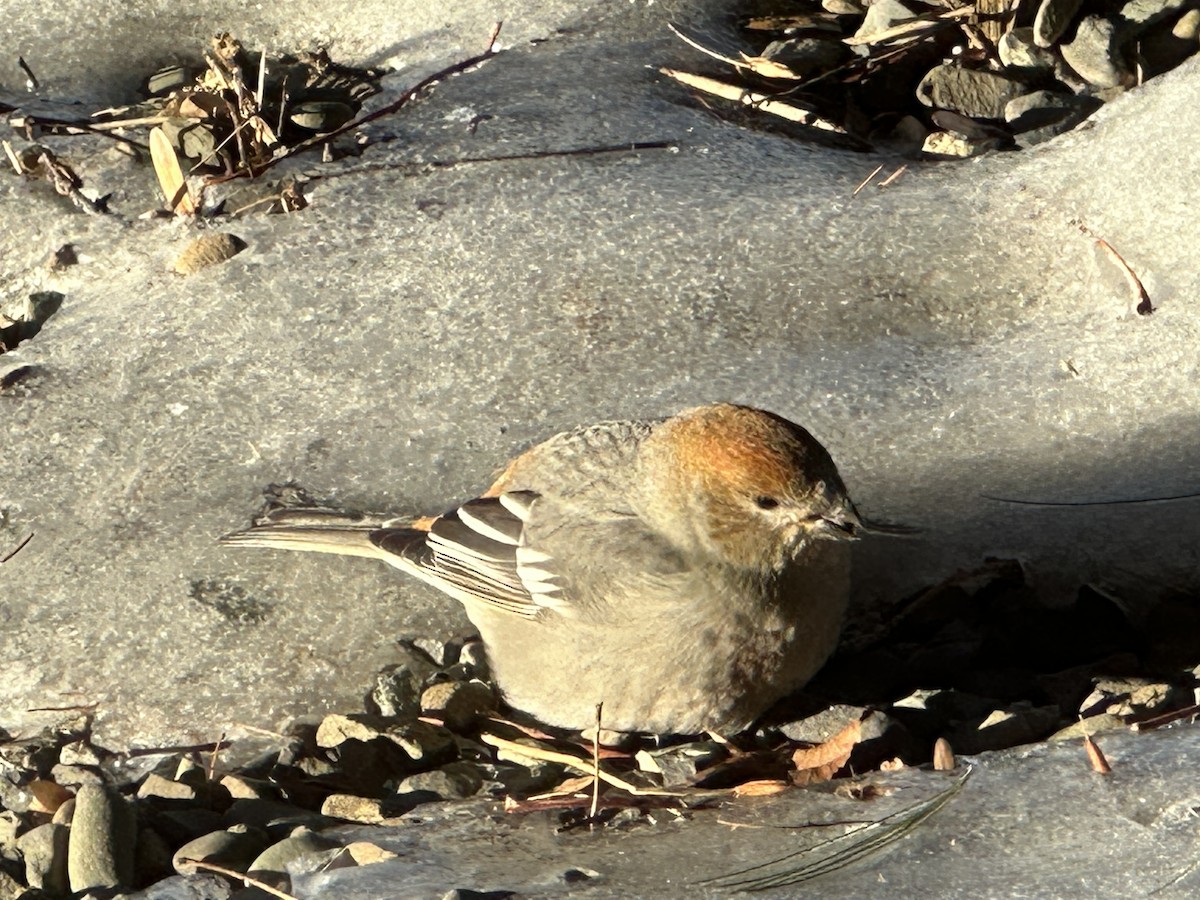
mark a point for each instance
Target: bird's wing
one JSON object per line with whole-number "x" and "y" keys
{"x": 479, "y": 554}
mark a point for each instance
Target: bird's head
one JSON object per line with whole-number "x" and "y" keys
{"x": 746, "y": 486}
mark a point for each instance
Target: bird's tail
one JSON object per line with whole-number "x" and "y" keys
{"x": 321, "y": 531}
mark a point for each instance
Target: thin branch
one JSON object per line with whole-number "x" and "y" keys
{"x": 752, "y": 98}
{"x": 17, "y": 549}
{"x": 239, "y": 877}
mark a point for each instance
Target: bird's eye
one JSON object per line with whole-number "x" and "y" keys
{"x": 765, "y": 502}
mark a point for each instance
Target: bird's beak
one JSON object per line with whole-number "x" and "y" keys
{"x": 840, "y": 524}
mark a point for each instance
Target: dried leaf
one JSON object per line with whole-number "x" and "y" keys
{"x": 762, "y": 788}
{"x": 566, "y": 788}
{"x": 943, "y": 755}
{"x": 753, "y": 98}
{"x": 821, "y": 762}
{"x": 769, "y": 68}
{"x": 207, "y": 250}
{"x": 170, "y": 175}
{"x": 1096, "y": 756}
{"x": 1144, "y": 306}
{"x": 48, "y": 796}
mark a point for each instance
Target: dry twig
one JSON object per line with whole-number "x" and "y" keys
{"x": 239, "y": 877}
{"x": 754, "y": 99}
{"x": 574, "y": 762}
{"x": 17, "y": 549}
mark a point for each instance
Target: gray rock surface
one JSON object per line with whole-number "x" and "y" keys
{"x": 429, "y": 315}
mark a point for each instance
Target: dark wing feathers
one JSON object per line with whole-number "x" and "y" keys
{"x": 477, "y": 554}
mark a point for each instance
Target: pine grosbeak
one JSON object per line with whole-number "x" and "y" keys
{"x": 685, "y": 572}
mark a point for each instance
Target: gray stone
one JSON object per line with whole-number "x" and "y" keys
{"x": 844, "y": 7}
{"x": 968, "y": 91}
{"x": 1019, "y": 50}
{"x": 10, "y": 888}
{"x": 397, "y": 689}
{"x": 1187, "y": 28}
{"x": 234, "y": 848}
{"x": 10, "y": 824}
{"x": 159, "y": 788}
{"x": 103, "y": 840}
{"x": 45, "y": 850}
{"x": 352, "y": 808}
{"x": 79, "y": 753}
{"x": 201, "y": 886}
{"x": 241, "y": 787}
{"x": 1035, "y": 136}
{"x": 423, "y": 743}
{"x": 271, "y": 865}
{"x": 75, "y": 776}
{"x": 820, "y": 727}
{"x": 168, "y": 79}
{"x": 458, "y": 704}
{"x": 437, "y": 651}
{"x": 1042, "y": 108}
{"x": 320, "y": 115}
{"x": 1145, "y": 13}
{"x": 948, "y": 144}
{"x": 1053, "y": 18}
{"x": 65, "y": 813}
{"x": 336, "y": 729}
{"x": 1094, "y": 54}
{"x": 453, "y": 781}
{"x": 907, "y": 135}
{"x": 1131, "y": 698}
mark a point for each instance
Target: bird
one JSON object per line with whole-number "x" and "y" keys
{"x": 682, "y": 574}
